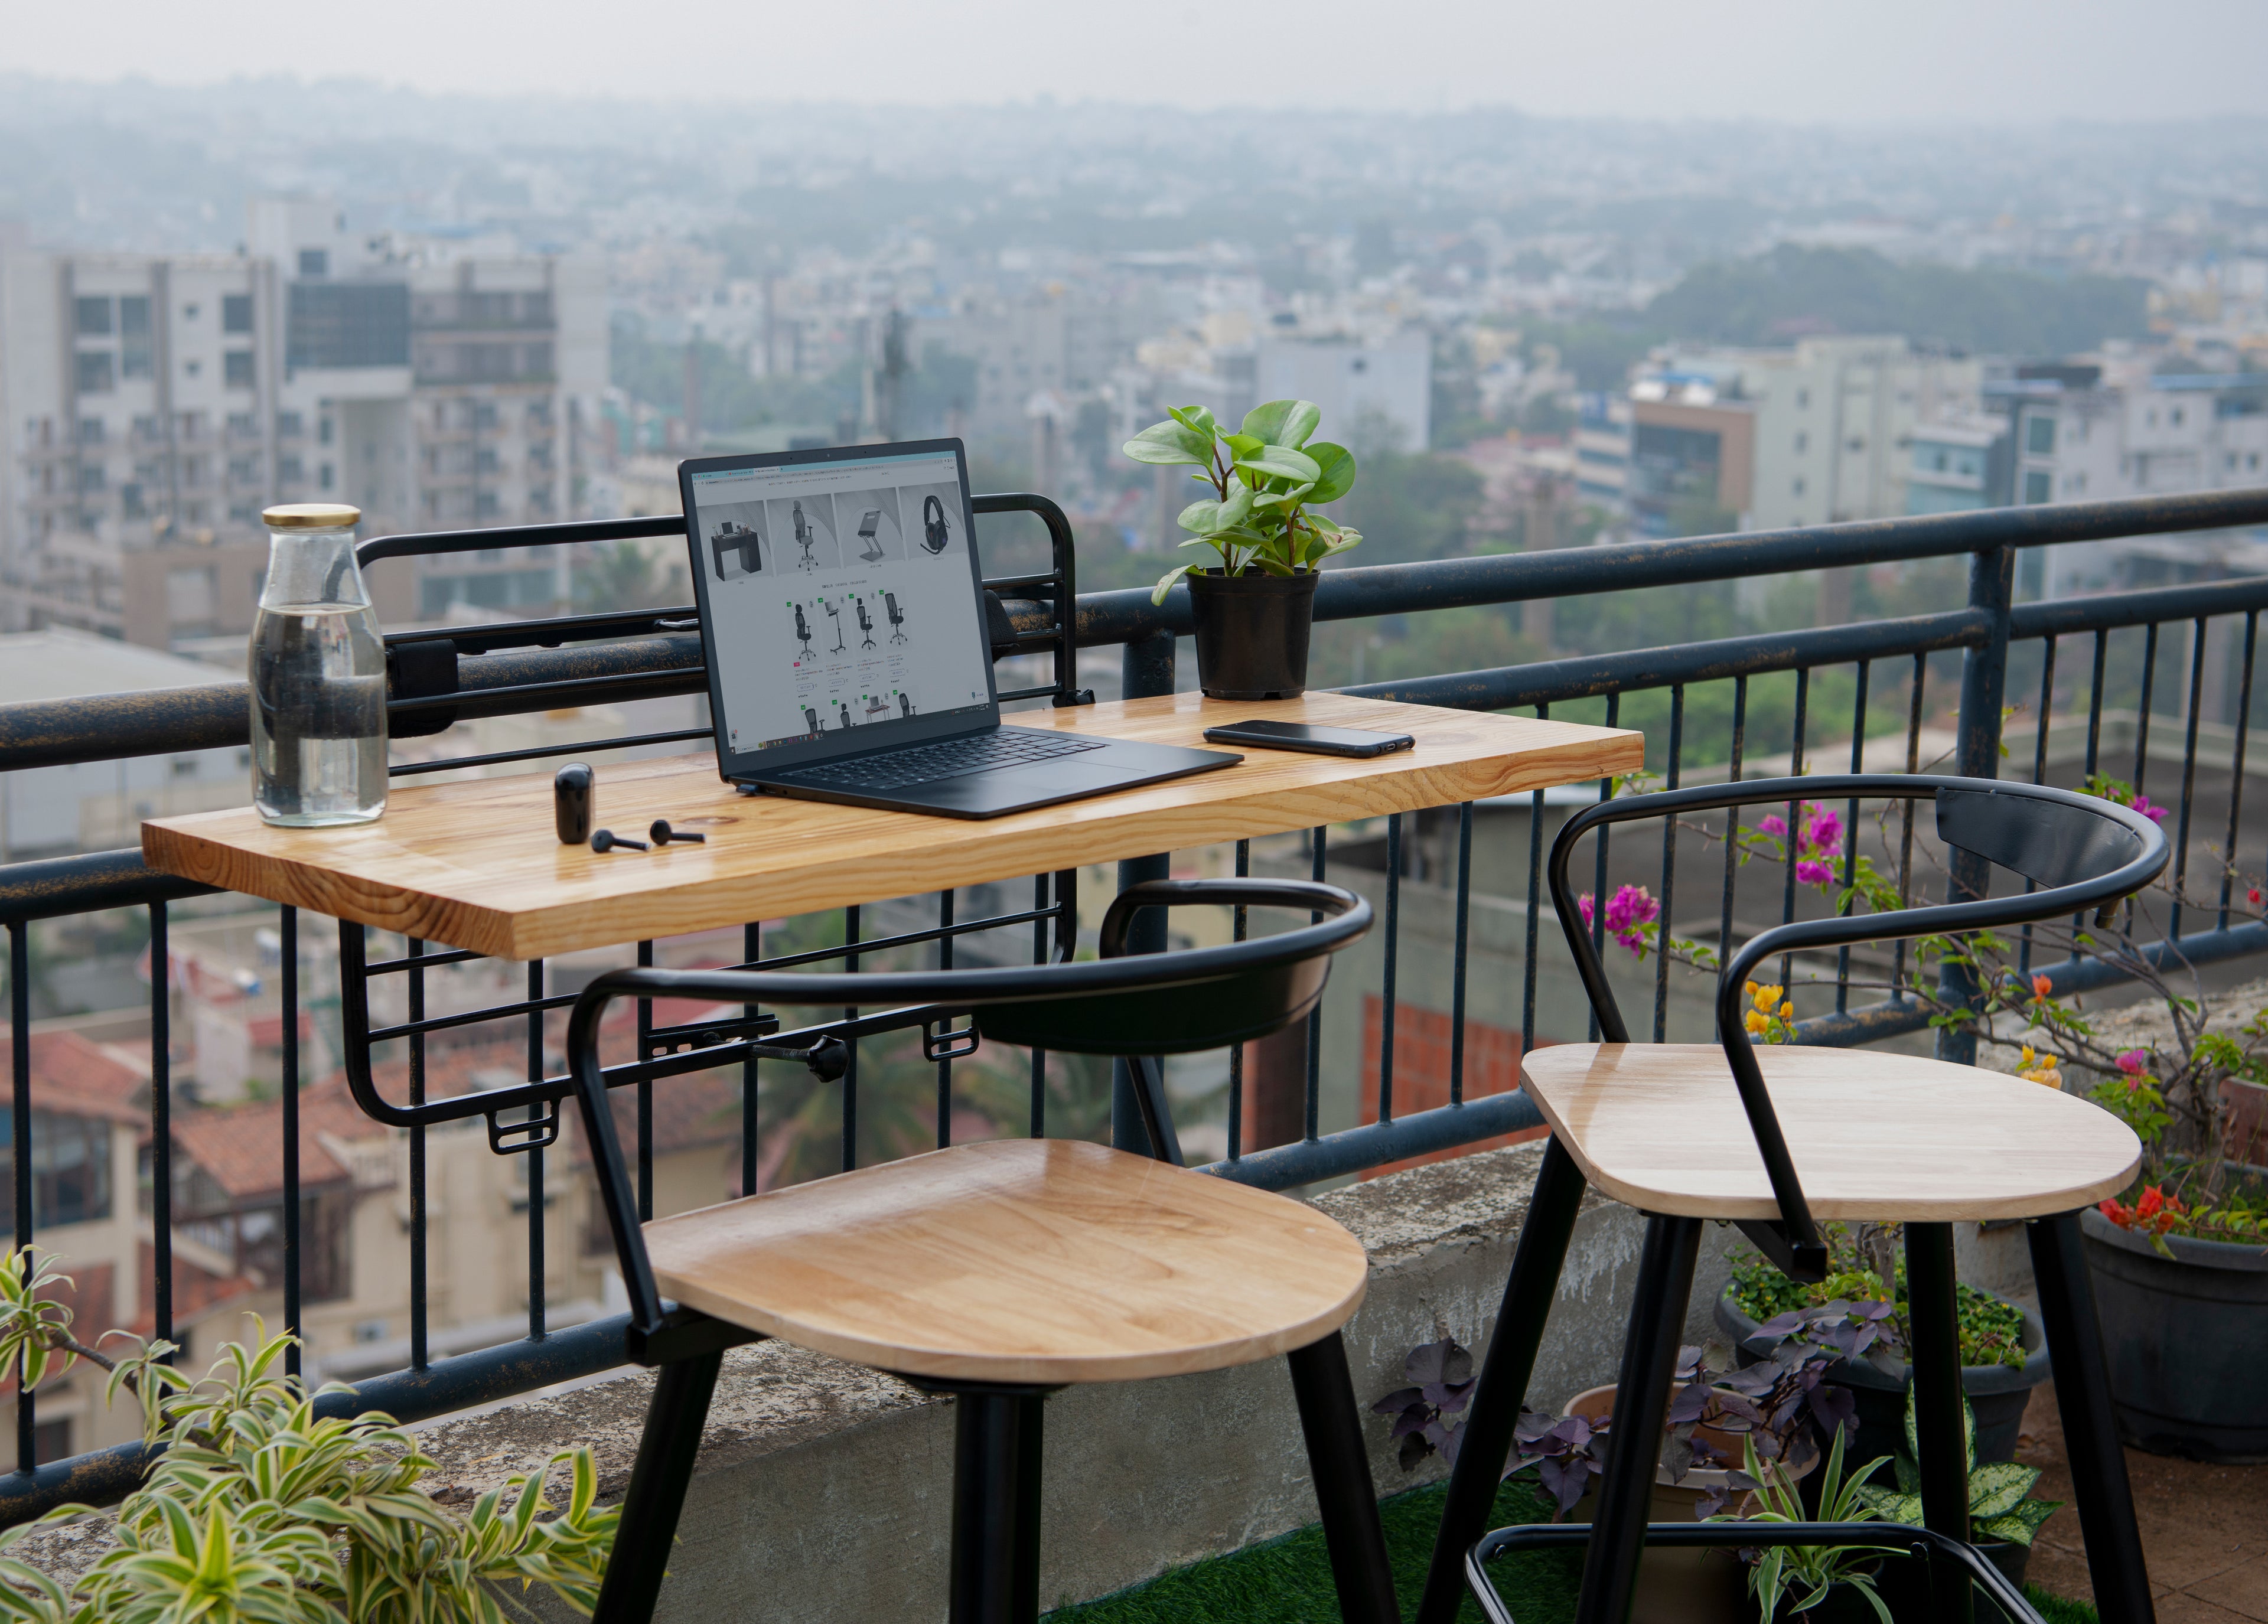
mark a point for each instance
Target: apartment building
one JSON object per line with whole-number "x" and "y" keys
{"x": 152, "y": 404}
{"x": 1832, "y": 420}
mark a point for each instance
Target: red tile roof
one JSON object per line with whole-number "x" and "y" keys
{"x": 73, "y": 1076}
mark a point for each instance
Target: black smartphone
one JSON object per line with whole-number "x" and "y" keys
{"x": 1307, "y": 737}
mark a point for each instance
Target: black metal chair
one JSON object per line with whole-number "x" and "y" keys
{"x": 1000, "y": 1271}
{"x": 1779, "y": 1139}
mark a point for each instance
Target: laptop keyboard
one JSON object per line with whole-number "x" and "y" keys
{"x": 948, "y": 758}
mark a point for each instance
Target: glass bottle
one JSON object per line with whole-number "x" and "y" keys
{"x": 318, "y": 672}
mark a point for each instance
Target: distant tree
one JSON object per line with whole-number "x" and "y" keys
{"x": 1409, "y": 505}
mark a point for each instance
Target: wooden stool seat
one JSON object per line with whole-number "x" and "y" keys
{"x": 1659, "y": 1126}
{"x": 1045, "y": 1262}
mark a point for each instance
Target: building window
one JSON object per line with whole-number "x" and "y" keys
{"x": 1802, "y": 442}
{"x": 288, "y": 426}
{"x": 192, "y": 369}
{"x": 237, "y": 368}
{"x": 95, "y": 371}
{"x": 90, "y": 476}
{"x": 314, "y": 261}
{"x": 134, "y": 325}
{"x": 290, "y": 469}
{"x": 1802, "y": 400}
{"x": 1796, "y": 489}
{"x": 89, "y": 431}
{"x": 2038, "y": 486}
{"x": 1857, "y": 443}
{"x": 2176, "y": 417}
{"x": 70, "y": 1168}
{"x": 323, "y": 429}
{"x": 2252, "y": 461}
{"x": 236, "y": 312}
{"x": 243, "y": 425}
{"x": 93, "y": 317}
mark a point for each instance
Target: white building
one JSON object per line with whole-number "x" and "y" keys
{"x": 155, "y": 404}
{"x": 1834, "y": 422}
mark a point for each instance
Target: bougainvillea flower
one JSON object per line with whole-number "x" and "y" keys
{"x": 1826, "y": 829}
{"x": 1810, "y": 873}
{"x": 2142, "y": 805}
{"x": 1771, "y": 824}
{"x": 2131, "y": 1061}
{"x": 2043, "y": 989}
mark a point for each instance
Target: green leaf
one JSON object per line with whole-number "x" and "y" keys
{"x": 1169, "y": 444}
{"x": 1279, "y": 462}
{"x": 1243, "y": 445}
{"x": 1290, "y": 498}
{"x": 1165, "y": 583}
{"x": 1993, "y": 1490}
{"x": 1202, "y": 517}
{"x": 1336, "y": 472}
{"x": 1283, "y": 422}
{"x": 1237, "y": 509}
{"x": 1197, "y": 419}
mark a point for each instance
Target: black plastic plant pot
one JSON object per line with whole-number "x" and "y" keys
{"x": 1252, "y": 633}
{"x": 2182, "y": 1336}
{"x": 1997, "y": 1393}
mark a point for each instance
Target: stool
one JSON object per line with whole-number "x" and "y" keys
{"x": 1778, "y": 1139}
{"x": 1001, "y": 1271}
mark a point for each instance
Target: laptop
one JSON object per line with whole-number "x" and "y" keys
{"x": 849, "y": 659}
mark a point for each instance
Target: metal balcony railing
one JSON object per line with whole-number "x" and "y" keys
{"x": 439, "y": 678}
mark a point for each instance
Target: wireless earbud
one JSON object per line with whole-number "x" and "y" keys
{"x": 572, "y": 801}
{"x": 663, "y": 834}
{"x": 606, "y": 839}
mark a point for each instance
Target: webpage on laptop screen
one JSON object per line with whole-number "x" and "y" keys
{"x": 840, "y": 596}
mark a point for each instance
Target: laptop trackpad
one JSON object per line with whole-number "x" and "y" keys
{"x": 1005, "y": 791}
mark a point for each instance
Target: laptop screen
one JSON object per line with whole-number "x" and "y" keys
{"x": 838, "y": 598}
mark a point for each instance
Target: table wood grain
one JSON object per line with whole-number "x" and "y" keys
{"x": 475, "y": 865}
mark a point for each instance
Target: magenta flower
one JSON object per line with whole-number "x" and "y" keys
{"x": 1812, "y": 873}
{"x": 1825, "y": 831}
{"x": 1771, "y": 824}
{"x": 1584, "y": 903}
{"x": 2131, "y": 1061}
{"x": 2142, "y": 805}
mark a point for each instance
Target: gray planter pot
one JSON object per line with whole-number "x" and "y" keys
{"x": 1997, "y": 1393}
{"x": 2184, "y": 1337}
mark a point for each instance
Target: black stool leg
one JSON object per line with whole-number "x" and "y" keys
{"x": 642, "y": 1539}
{"x": 1340, "y": 1465}
{"x": 1505, "y": 1370}
{"x": 1942, "y": 1456}
{"x": 1665, "y": 1284}
{"x": 2090, "y": 1427}
{"x": 986, "y": 1453}
{"x": 1030, "y": 1435}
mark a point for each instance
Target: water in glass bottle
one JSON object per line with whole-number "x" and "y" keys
{"x": 318, "y": 672}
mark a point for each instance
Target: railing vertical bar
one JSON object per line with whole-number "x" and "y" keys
{"x": 2039, "y": 774}
{"x": 752, "y": 950}
{"x": 1669, "y": 870}
{"x": 1851, "y": 831}
{"x": 2236, "y": 765}
{"x": 288, "y": 988}
{"x": 161, "y": 1122}
{"x": 2142, "y": 710}
{"x": 1905, "y": 815}
{"x": 19, "y": 1153}
{"x": 2095, "y": 703}
{"x": 420, "y": 1325}
{"x": 535, "y": 1237}
{"x": 851, "y": 1067}
{"x": 1599, "y": 868}
{"x": 1315, "y": 1101}
{"x": 1240, "y": 928}
{"x": 945, "y": 1067}
{"x": 1535, "y": 908}
{"x": 1387, "y": 982}
{"x": 1458, "y": 962}
{"x": 2188, "y": 774}
{"x": 1732, "y": 836}
{"x": 645, "y": 1090}
{"x": 1794, "y": 819}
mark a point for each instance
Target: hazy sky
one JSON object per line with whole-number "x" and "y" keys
{"x": 1802, "y": 60}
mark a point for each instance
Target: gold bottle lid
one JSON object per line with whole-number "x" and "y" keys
{"x": 311, "y": 516}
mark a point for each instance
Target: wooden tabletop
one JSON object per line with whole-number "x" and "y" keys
{"x": 475, "y": 865}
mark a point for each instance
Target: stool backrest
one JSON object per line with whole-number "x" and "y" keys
{"x": 1137, "y": 1005}
{"x": 2089, "y": 853}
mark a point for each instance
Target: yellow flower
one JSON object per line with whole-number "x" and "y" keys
{"x": 2029, "y": 1056}
{"x": 1767, "y": 996}
{"x": 1757, "y": 1022}
{"x": 1788, "y": 1011}
{"x": 1751, "y": 988}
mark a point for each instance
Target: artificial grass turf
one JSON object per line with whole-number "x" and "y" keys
{"x": 1288, "y": 1580}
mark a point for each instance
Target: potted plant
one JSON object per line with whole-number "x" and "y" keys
{"x": 2003, "y": 1516}
{"x": 2004, "y": 1352}
{"x": 1254, "y": 608}
{"x": 1769, "y": 1410}
{"x": 257, "y": 1509}
{"x": 1822, "y": 1583}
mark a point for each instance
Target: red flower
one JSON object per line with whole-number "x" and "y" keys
{"x": 2253, "y": 896}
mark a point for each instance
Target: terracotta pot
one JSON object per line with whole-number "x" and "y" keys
{"x": 1678, "y": 1586}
